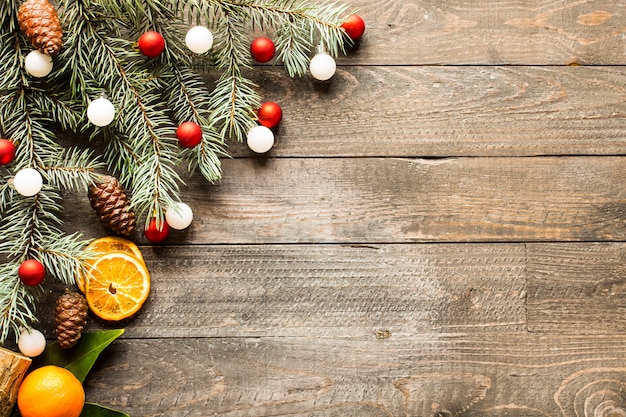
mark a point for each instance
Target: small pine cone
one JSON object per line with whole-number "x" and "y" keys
{"x": 70, "y": 317}
{"x": 40, "y": 22}
{"x": 112, "y": 206}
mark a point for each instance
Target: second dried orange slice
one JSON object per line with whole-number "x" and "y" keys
{"x": 109, "y": 244}
{"x": 117, "y": 286}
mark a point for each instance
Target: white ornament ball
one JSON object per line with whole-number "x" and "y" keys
{"x": 260, "y": 139}
{"x": 323, "y": 66}
{"x": 199, "y": 39}
{"x": 101, "y": 112}
{"x": 179, "y": 217}
{"x": 28, "y": 182}
{"x": 31, "y": 342}
{"x": 38, "y": 64}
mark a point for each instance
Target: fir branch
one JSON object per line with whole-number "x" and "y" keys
{"x": 187, "y": 94}
{"x": 73, "y": 170}
{"x": 234, "y": 97}
{"x": 148, "y": 130}
{"x": 16, "y": 301}
{"x": 64, "y": 257}
{"x": 28, "y": 221}
{"x": 233, "y": 102}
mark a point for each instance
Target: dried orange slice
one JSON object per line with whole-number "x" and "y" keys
{"x": 117, "y": 286}
{"x": 108, "y": 244}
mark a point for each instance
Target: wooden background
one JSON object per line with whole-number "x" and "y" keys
{"x": 439, "y": 231}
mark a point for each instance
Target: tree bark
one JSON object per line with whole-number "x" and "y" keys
{"x": 13, "y": 367}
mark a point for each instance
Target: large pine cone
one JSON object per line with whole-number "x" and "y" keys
{"x": 112, "y": 206}
{"x": 40, "y": 22}
{"x": 70, "y": 318}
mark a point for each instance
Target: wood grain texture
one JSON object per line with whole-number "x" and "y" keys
{"x": 403, "y": 200}
{"x": 497, "y": 374}
{"x": 13, "y": 368}
{"x": 531, "y": 32}
{"x": 295, "y": 290}
{"x": 575, "y": 288}
{"x": 448, "y": 111}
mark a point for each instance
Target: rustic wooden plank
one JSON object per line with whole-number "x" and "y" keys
{"x": 402, "y": 200}
{"x": 225, "y": 291}
{"x": 577, "y": 288}
{"x": 556, "y": 32}
{"x": 517, "y": 374}
{"x": 449, "y": 111}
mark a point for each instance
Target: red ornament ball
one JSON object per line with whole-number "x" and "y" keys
{"x": 7, "y": 152}
{"x": 31, "y": 272}
{"x": 151, "y": 44}
{"x": 189, "y": 134}
{"x": 262, "y": 49}
{"x": 154, "y": 234}
{"x": 354, "y": 27}
{"x": 270, "y": 114}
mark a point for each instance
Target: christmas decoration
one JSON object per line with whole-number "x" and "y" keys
{"x": 199, "y": 39}
{"x": 108, "y": 199}
{"x": 323, "y": 66}
{"x": 179, "y": 216}
{"x": 31, "y": 342}
{"x": 270, "y": 114}
{"x": 102, "y": 79}
{"x": 189, "y": 134}
{"x": 156, "y": 231}
{"x": 31, "y": 272}
{"x": 354, "y": 27}
{"x": 151, "y": 44}
{"x": 28, "y": 182}
{"x": 7, "y": 152}
{"x": 70, "y": 317}
{"x": 101, "y": 112}
{"x": 39, "y": 21}
{"x": 38, "y": 64}
{"x": 262, "y": 49}
{"x": 260, "y": 139}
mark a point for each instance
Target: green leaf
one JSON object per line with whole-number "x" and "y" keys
{"x": 95, "y": 410}
{"x": 80, "y": 358}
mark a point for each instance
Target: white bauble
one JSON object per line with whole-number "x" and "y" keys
{"x": 28, "y": 182}
{"x": 179, "y": 217}
{"x": 260, "y": 139}
{"x": 101, "y": 112}
{"x": 199, "y": 39}
{"x": 322, "y": 66}
{"x": 38, "y": 64}
{"x": 31, "y": 342}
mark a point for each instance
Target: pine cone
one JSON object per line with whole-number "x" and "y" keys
{"x": 40, "y": 22}
{"x": 70, "y": 317}
{"x": 109, "y": 201}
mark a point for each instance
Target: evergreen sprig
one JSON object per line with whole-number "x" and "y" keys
{"x": 152, "y": 97}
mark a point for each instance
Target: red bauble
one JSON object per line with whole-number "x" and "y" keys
{"x": 189, "y": 134}
{"x": 354, "y": 27}
{"x": 7, "y": 152}
{"x": 31, "y": 272}
{"x": 270, "y": 114}
{"x": 151, "y": 44}
{"x": 155, "y": 235}
{"x": 262, "y": 49}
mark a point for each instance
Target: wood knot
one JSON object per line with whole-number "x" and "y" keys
{"x": 383, "y": 334}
